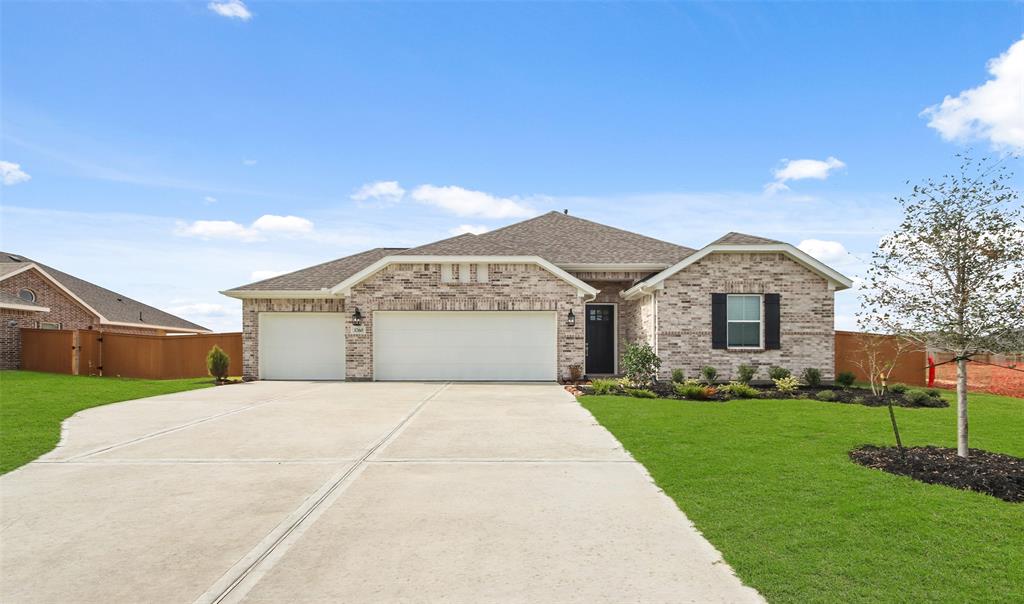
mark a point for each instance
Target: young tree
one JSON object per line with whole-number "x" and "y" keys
{"x": 951, "y": 276}
{"x": 217, "y": 362}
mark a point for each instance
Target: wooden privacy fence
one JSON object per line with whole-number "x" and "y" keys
{"x": 911, "y": 366}
{"x": 88, "y": 352}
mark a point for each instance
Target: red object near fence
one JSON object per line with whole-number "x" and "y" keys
{"x": 931, "y": 371}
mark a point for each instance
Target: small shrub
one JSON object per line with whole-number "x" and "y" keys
{"x": 693, "y": 392}
{"x": 917, "y": 397}
{"x": 740, "y": 390}
{"x": 745, "y": 373}
{"x": 898, "y": 388}
{"x": 778, "y": 373}
{"x": 691, "y": 382}
{"x": 678, "y": 376}
{"x": 934, "y": 392}
{"x": 641, "y": 364}
{"x": 846, "y": 379}
{"x": 709, "y": 374}
{"x": 575, "y": 373}
{"x": 640, "y": 393}
{"x": 605, "y": 386}
{"x": 217, "y": 363}
{"x": 812, "y": 377}
{"x": 623, "y": 383}
{"x": 859, "y": 400}
{"x": 786, "y": 384}
{"x": 932, "y": 401}
{"x": 826, "y": 395}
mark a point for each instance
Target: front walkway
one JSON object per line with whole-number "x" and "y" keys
{"x": 348, "y": 492}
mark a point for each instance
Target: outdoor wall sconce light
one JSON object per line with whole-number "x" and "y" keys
{"x": 357, "y": 317}
{"x": 571, "y": 319}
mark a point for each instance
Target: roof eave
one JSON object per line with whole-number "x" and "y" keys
{"x": 247, "y": 294}
{"x": 25, "y": 307}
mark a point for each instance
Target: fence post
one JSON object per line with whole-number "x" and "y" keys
{"x": 76, "y": 352}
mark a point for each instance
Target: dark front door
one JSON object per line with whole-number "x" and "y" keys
{"x": 600, "y": 338}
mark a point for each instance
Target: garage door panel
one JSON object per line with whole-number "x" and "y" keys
{"x": 458, "y": 345}
{"x": 302, "y": 346}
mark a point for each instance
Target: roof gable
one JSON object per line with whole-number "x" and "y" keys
{"x": 322, "y": 276}
{"x": 466, "y": 244}
{"x": 109, "y": 306}
{"x": 742, "y": 239}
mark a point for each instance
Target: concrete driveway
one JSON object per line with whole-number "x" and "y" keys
{"x": 348, "y": 492}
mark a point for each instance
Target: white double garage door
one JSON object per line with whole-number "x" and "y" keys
{"x": 448, "y": 345}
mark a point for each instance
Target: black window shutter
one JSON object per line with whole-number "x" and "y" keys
{"x": 719, "y": 326}
{"x": 772, "y": 339}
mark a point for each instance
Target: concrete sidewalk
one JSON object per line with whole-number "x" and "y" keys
{"x": 360, "y": 492}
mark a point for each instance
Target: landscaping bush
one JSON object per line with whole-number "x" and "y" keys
{"x": 694, "y": 392}
{"x": 678, "y": 376}
{"x": 812, "y": 377}
{"x": 641, "y": 364}
{"x": 575, "y": 373}
{"x": 860, "y": 400}
{"x": 605, "y": 386}
{"x": 778, "y": 373}
{"x": 826, "y": 395}
{"x": 745, "y": 373}
{"x": 846, "y": 379}
{"x": 640, "y": 393}
{"x": 898, "y": 388}
{"x": 740, "y": 390}
{"x": 786, "y": 384}
{"x": 934, "y": 392}
{"x": 916, "y": 397}
{"x": 709, "y": 374}
{"x": 217, "y": 363}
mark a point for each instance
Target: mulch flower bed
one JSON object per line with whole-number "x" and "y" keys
{"x": 994, "y": 474}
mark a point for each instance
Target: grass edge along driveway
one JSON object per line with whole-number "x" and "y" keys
{"x": 768, "y": 482}
{"x": 33, "y": 405}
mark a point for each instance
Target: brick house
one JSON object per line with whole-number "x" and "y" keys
{"x": 33, "y": 295}
{"x": 531, "y": 300}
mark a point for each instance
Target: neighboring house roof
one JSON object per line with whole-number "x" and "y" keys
{"x": 567, "y": 240}
{"x": 322, "y": 276}
{"x": 742, "y": 239}
{"x": 14, "y": 302}
{"x": 111, "y": 307}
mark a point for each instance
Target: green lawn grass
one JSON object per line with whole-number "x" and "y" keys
{"x": 769, "y": 483}
{"x": 33, "y": 405}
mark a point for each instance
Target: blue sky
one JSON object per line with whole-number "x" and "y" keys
{"x": 172, "y": 149}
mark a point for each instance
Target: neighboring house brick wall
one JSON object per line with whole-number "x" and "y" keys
{"x": 251, "y": 308}
{"x": 10, "y": 336}
{"x": 510, "y": 287}
{"x": 807, "y": 315}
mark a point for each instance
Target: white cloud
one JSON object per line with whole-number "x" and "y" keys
{"x": 250, "y": 162}
{"x": 12, "y": 173}
{"x": 385, "y": 192}
{"x": 992, "y": 111}
{"x": 475, "y": 229}
{"x": 210, "y": 199}
{"x": 261, "y": 275}
{"x": 232, "y": 9}
{"x": 268, "y": 224}
{"x": 829, "y": 252}
{"x": 800, "y": 169}
{"x": 464, "y": 202}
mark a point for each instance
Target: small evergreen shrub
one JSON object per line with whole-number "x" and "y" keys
{"x": 846, "y": 379}
{"x": 678, "y": 376}
{"x": 740, "y": 390}
{"x": 898, "y": 388}
{"x": 745, "y": 373}
{"x": 605, "y": 386}
{"x": 812, "y": 377}
{"x": 826, "y": 395}
{"x": 641, "y": 364}
{"x": 777, "y": 373}
{"x": 917, "y": 397}
{"x": 786, "y": 384}
{"x": 217, "y": 363}
{"x": 934, "y": 392}
{"x": 640, "y": 393}
{"x": 694, "y": 392}
{"x": 709, "y": 374}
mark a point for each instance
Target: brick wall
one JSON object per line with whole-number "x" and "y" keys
{"x": 684, "y": 315}
{"x": 251, "y": 323}
{"x": 509, "y": 287}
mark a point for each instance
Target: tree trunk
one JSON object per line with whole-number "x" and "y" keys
{"x": 961, "y": 408}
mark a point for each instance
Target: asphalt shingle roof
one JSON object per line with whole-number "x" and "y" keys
{"x": 112, "y": 305}
{"x": 321, "y": 276}
{"x": 467, "y": 244}
{"x": 742, "y": 239}
{"x": 6, "y": 298}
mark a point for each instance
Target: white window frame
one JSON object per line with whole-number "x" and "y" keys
{"x": 760, "y": 321}
{"x": 464, "y": 272}
{"x": 40, "y": 324}
{"x": 446, "y": 273}
{"x": 30, "y": 291}
{"x": 481, "y": 273}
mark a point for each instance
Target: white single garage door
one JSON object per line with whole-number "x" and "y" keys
{"x": 302, "y": 346}
{"x": 457, "y": 345}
